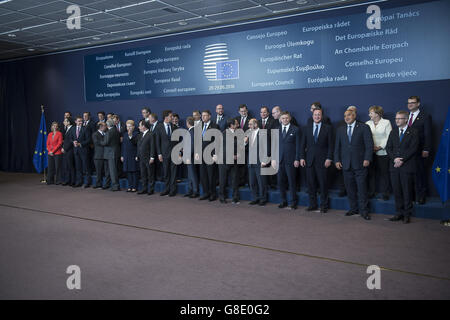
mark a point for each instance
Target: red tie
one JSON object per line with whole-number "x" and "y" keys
{"x": 242, "y": 123}
{"x": 263, "y": 123}
{"x": 411, "y": 120}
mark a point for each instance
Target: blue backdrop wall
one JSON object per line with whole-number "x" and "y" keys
{"x": 57, "y": 82}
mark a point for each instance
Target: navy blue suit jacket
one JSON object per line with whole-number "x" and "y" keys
{"x": 320, "y": 151}
{"x": 290, "y": 145}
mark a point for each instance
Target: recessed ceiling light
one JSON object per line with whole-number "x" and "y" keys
{"x": 302, "y": 2}
{"x": 182, "y": 23}
{"x": 30, "y": 49}
{"x": 96, "y": 38}
{"x": 88, "y": 19}
{"x": 12, "y": 35}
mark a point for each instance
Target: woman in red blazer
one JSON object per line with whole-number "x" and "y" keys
{"x": 54, "y": 145}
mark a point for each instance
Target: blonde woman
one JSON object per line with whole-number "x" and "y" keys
{"x": 379, "y": 168}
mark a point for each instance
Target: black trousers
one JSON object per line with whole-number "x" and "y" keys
{"x": 317, "y": 176}
{"x": 81, "y": 165}
{"x": 379, "y": 170}
{"x": 169, "y": 175}
{"x": 208, "y": 179}
{"x": 69, "y": 167}
{"x": 402, "y": 183}
{"x": 147, "y": 171}
{"x": 287, "y": 176}
{"x": 101, "y": 168}
{"x": 54, "y": 169}
{"x": 356, "y": 185}
{"x": 421, "y": 176}
{"x": 229, "y": 171}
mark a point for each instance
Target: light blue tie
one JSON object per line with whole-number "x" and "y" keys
{"x": 316, "y": 133}
{"x": 204, "y": 129}
{"x": 349, "y": 133}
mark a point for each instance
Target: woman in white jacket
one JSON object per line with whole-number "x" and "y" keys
{"x": 379, "y": 168}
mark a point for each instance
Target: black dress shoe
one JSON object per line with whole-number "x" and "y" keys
{"x": 366, "y": 217}
{"x": 96, "y": 187}
{"x": 204, "y": 197}
{"x": 195, "y": 195}
{"x": 106, "y": 187}
{"x": 223, "y": 200}
{"x": 115, "y": 189}
{"x": 172, "y": 194}
{"x": 323, "y": 210}
{"x": 212, "y": 199}
{"x": 187, "y": 195}
{"x": 262, "y": 203}
{"x": 150, "y": 192}
{"x": 293, "y": 207}
{"x": 65, "y": 183}
{"x": 396, "y": 218}
{"x": 86, "y": 185}
{"x": 406, "y": 220}
{"x": 282, "y": 205}
{"x": 311, "y": 208}
{"x": 235, "y": 201}
{"x": 253, "y": 202}
{"x": 77, "y": 185}
{"x": 165, "y": 193}
{"x": 350, "y": 213}
{"x": 142, "y": 192}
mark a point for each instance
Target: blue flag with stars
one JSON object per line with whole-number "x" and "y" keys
{"x": 40, "y": 152}
{"x": 441, "y": 168}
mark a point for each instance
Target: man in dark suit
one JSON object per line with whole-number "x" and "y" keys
{"x": 207, "y": 171}
{"x": 89, "y": 123}
{"x": 81, "y": 140}
{"x": 67, "y": 150}
{"x": 146, "y": 155}
{"x": 316, "y": 153}
{"x": 353, "y": 153}
{"x": 289, "y": 159}
{"x": 421, "y": 122}
{"x": 243, "y": 117}
{"x": 164, "y": 146}
{"x": 227, "y": 169}
{"x": 111, "y": 142}
{"x": 101, "y": 165}
{"x": 193, "y": 186}
{"x": 257, "y": 182}
{"x": 268, "y": 122}
{"x": 220, "y": 119}
{"x": 401, "y": 147}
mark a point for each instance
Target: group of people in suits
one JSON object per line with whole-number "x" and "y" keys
{"x": 360, "y": 150}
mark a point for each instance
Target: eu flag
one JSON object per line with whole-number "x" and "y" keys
{"x": 441, "y": 168}
{"x": 227, "y": 70}
{"x": 40, "y": 152}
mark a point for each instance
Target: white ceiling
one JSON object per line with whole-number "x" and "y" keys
{"x": 30, "y": 27}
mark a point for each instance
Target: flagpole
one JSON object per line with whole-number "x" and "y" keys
{"x": 44, "y": 180}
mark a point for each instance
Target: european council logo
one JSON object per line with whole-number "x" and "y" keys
{"x": 216, "y": 65}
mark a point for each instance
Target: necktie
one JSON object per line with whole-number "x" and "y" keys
{"x": 204, "y": 129}
{"x": 78, "y": 131}
{"x": 218, "y": 119}
{"x": 284, "y": 132}
{"x": 84, "y": 124}
{"x": 316, "y": 133}
{"x": 168, "y": 130}
{"x": 264, "y": 123}
{"x": 349, "y": 133}
{"x": 242, "y": 123}
{"x": 411, "y": 120}
{"x": 401, "y": 135}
